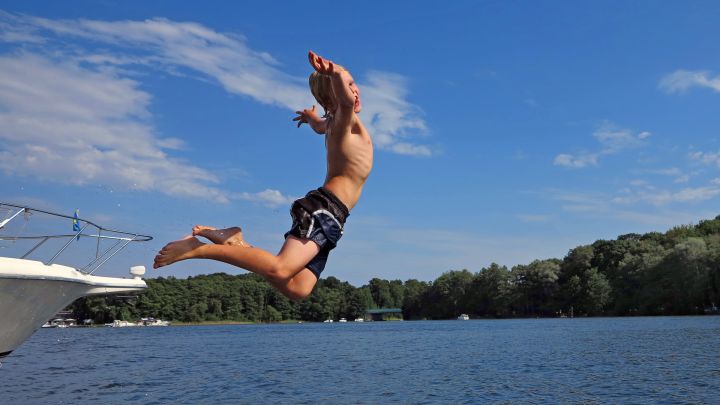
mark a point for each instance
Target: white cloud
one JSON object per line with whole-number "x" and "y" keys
{"x": 679, "y": 175}
{"x": 272, "y": 198}
{"x": 14, "y": 30}
{"x": 655, "y": 202}
{"x": 664, "y": 197}
{"x": 616, "y": 139}
{"x": 578, "y": 161}
{"x": 613, "y": 140}
{"x": 227, "y": 59}
{"x": 708, "y": 158}
{"x": 73, "y": 114}
{"x": 626, "y": 208}
{"x": 390, "y": 118}
{"x": 86, "y": 127}
{"x": 682, "y": 80}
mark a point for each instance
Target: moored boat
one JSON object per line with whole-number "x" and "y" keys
{"x": 32, "y": 290}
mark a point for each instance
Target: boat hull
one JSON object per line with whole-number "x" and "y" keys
{"x": 31, "y": 293}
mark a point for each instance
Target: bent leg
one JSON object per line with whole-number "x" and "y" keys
{"x": 279, "y": 270}
{"x": 298, "y": 287}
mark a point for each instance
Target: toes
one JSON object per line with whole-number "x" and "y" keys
{"x": 200, "y": 228}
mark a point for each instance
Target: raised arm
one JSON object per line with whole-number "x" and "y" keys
{"x": 310, "y": 117}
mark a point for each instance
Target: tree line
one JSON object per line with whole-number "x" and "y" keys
{"x": 671, "y": 273}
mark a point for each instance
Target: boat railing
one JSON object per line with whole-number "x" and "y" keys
{"x": 82, "y": 228}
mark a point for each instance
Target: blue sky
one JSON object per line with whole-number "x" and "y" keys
{"x": 505, "y": 131}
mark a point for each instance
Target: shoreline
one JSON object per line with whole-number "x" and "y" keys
{"x": 296, "y": 321}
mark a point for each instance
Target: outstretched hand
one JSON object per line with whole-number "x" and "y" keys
{"x": 305, "y": 116}
{"x": 322, "y": 65}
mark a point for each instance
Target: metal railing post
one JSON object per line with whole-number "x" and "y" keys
{"x": 67, "y": 244}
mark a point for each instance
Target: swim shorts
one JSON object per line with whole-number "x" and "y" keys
{"x": 320, "y": 216}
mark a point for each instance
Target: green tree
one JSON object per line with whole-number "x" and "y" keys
{"x": 535, "y": 286}
{"x": 596, "y": 292}
{"x": 380, "y": 291}
{"x": 449, "y": 294}
{"x": 490, "y": 291}
{"x": 415, "y": 302}
{"x": 678, "y": 285}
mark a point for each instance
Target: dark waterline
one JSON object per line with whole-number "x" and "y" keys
{"x": 617, "y": 360}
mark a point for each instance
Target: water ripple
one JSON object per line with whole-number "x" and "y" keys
{"x": 616, "y": 360}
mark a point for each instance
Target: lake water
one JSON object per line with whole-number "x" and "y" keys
{"x": 597, "y": 360}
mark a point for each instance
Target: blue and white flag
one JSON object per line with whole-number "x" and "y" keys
{"x": 76, "y": 222}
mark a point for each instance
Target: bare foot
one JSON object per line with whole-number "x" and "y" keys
{"x": 182, "y": 249}
{"x": 229, "y": 236}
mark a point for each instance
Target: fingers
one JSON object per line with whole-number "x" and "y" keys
{"x": 320, "y": 64}
{"x": 301, "y": 119}
{"x": 312, "y": 57}
{"x": 326, "y": 64}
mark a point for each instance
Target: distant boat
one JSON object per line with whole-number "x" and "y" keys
{"x": 359, "y": 320}
{"x": 328, "y": 321}
{"x": 463, "y": 317}
{"x": 153, "y": 322}
{"x": 121, "y": 324}
{"x": 342, "y": 320}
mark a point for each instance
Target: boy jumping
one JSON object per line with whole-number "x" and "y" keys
{"x": 319, "y": 217}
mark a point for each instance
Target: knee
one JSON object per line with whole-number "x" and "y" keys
{"x": 279, "y": 274}
{"x": 298, "y": 293}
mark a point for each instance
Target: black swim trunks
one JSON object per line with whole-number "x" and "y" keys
{"x": 320, "y": 217}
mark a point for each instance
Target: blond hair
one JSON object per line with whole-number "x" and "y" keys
{"x": 321, "y": 89}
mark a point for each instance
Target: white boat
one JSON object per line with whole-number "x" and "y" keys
{"x": 359, "y": 320}
{"x": 122, "y": 324}
{"x": 153, "y": 322}
{"x": 60, "y": 323}
{"x": 343, "y": 320}
{"x": 34, "y": 288}
{"x": 463, "y": 317}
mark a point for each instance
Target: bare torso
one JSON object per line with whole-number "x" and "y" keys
{"x": 349, "y": 160}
